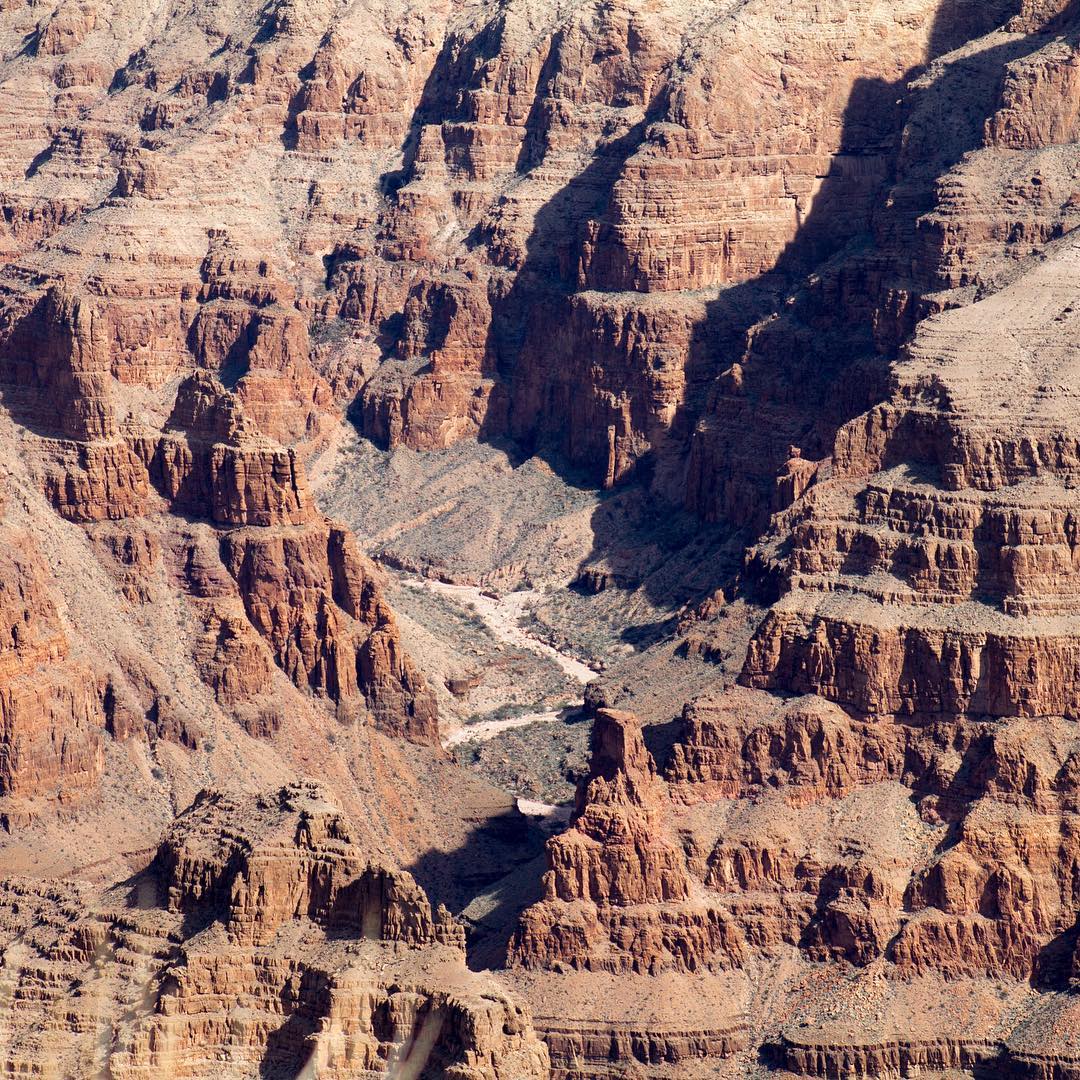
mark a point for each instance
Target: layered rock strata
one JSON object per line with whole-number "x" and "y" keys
{"x": 52, "y": 707}
{"x": 805, "y": 270}
{"x": 260, "y": 940}
{"x": 617, "y": 895}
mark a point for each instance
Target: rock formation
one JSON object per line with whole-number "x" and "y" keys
{"x": 800, "y": 271}
{"x": 617, "y": 895}
{"x": 260, "y": 939}
{"x": 52, "y": 712}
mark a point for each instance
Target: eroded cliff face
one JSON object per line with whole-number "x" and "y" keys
{"x": 643, "y": 264}
{"x": 51, "y": 706}
{"x": 805, "y": 271}
{"x": 158, "y": 369}
{"x": 617, "y": 895}
{"x": 607, "y": 176}
{"x": 918, "y": 649}
{"x": 260, "y": 940}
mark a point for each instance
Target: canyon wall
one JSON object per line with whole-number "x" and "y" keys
{"x": 801, "y": 271}
{"x": 262, "y": 940}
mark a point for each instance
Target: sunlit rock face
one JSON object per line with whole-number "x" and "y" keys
{"x": 799, "y": 273}
{"x": 262, "y": 937}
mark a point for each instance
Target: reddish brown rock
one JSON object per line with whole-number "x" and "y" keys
{"x": 617, "y": 894}
{"x": 294, "y": 856}
{"x": 811, "y": 260}
{"x": 310, "y": 594}
{"x": 316, "y": 600}
{"x": 52, "y": 718}
{"x": 261, "y": 935}
{"x": 232, "y": 658}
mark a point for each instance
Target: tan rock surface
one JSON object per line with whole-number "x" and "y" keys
{"x": 803, "y": 272}
{"x": 260, "y": 940}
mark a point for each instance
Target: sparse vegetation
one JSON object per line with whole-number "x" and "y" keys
{"x": 539, "y": 761}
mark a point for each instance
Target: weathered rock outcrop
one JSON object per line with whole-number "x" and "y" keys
{"x": 803, "y": 269}
{"x": 52, "y": 715}
{"x": 577, "y": 1049}
{"x": 290, "y": 854}
{"x": 301, "y": 581}
{"x": 617, "y": 894}
{"x": 156, "y": 354}
{"x": 927, "y": 581}
{"x": 316, "y": 600}
{"x": 261, "y": 939}
{"x": 650, "y": 305}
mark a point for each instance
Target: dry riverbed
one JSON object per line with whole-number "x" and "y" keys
{"x": 509, "y": 701}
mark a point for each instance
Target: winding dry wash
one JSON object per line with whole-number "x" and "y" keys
{"x": 502, "y": 616}
{"x": 539, "y": 539}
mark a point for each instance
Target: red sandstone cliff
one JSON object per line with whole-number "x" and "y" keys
{"x": 617, "y": 895}
{"x": 804, "y": 269}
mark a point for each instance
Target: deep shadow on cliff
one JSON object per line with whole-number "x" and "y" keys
{"x": 501, "y": 859}
{"x": 799, "y": 352}
{"x": 809, "y": 346}
{"x": 778, "y": 363}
